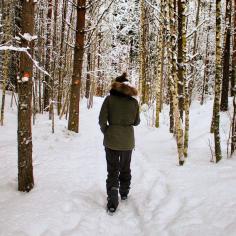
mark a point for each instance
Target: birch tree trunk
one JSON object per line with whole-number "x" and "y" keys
{"x": 216, "y": 109}
{"x": 183, "y": 92}
{"x": 142, "y": 54}
{"x": 174, "y": 83}
{"x": 193, "y": 69}
{"x": 160, "y": 63}
{"x": 61, "y": 58}
{"x": 73, "y": 123}
{"x": 25, "y": 167}
{"x": 181, "y": 54}
{"x": 206, "y": 62}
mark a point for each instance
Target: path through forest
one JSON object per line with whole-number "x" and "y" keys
{"x": 69, "y": 197}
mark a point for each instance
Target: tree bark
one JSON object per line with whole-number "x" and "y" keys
{"x": 48, "y": 57}
{"x": 143, "y": 54}
{"x": 226, "y": 59}
{"x": 181, "y": 55}
{"x": 5, "y": 55}
{"x": 192, "y": 81}
{"x": 174, "y": 84}
{"x": 206, "y": 63}
{"x": 100, "y": 82}
{"x": 233, "y": 77}
{"x": 183, "y": 92}
{"x": 73, "y": 123}
{"x": 89, "y": 58}
{"x": 233, "y": 139}
{"x": 160, "y": 62}
{"x": 25, "y": 167}
{"x": 61, "y": 58}
{"x": 216, "y": 109}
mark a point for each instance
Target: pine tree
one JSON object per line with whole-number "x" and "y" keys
{"x": 25, "y": 167}
{"x": 73, "y": 123}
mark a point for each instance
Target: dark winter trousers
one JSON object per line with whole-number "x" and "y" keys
{"x": 119, "y": 173}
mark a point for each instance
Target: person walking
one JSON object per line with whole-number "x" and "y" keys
{"x": 119, "y": 113}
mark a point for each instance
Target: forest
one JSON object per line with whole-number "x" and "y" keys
{"x": 58, "y": 60}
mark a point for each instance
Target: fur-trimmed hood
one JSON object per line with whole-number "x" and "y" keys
{"x": 118, "y": 88}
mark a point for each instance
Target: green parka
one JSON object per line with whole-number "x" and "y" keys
{"x": 118, "y": 115}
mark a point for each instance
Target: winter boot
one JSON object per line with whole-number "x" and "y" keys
{"x": 124, "y": 193}
{"x": 112, "y": 200}
{"x": 123, "y": 196}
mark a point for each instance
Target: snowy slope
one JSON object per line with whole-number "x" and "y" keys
{"x": 69, "y": 197}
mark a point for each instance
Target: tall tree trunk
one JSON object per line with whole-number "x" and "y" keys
{"x": 174, "y": 83}
{"x": 25, "y": 167}
{"x": 73, "y": 123}
{"x": 5, "y": 54}
{"x": 61, "y": 58}
{"x": 100, "y": 82}
{"x": 88, "y": 76}
{"x": 160, "y": 62}
{"x": 158, "y": 79}
{"x": 40, "y": 56}
{"x": 92, "y": 78}
{"x": 233, "y": 139}
{"x": 216, "y": 109}
{"x": 143, "y": 54}
{"x": 89, "y": 59}
{"x": 53, "y": 66}
{"x": 233, "y": 77}
{"x": 206, "y": 62}
{"x": 181, "y": 55}
{"x": 226, "y": 58}
{"x": 182, "y": 83}
{"x": 193, "y": 68}
{"x": 48, "y": 57}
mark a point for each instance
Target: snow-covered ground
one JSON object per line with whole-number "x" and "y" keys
{"x": 69, "y": 196}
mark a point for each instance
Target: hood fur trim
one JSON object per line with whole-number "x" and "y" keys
{"x": 124, "y": 89}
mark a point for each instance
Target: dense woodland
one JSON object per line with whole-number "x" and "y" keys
{"x": 56, "y": 52}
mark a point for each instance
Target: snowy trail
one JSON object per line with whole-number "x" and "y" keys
{"x": 69, "y": 197}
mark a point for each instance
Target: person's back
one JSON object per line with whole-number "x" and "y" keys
{"x": 118, "y": 115}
